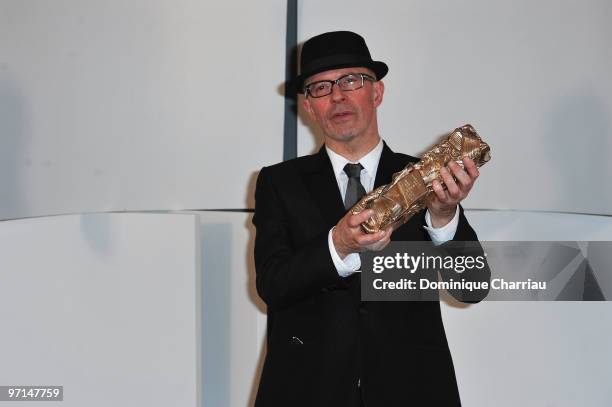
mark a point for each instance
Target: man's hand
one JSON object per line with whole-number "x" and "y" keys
{"x": 443, "y": 205}
{"x": 349, "y": 238}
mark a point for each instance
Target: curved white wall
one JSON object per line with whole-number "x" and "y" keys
{"x": 106, "y": 305}
{"x": 534, "y": 353}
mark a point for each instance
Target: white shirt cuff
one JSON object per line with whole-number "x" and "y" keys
{"x": 445, "y": 233}
{"x": 349, "y": 265}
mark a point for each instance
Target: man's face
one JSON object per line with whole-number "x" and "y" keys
{"x": 346, "y": 115}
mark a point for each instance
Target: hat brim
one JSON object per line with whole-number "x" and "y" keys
{"x": 379, "y": 68}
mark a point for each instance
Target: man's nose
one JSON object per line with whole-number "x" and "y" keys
{"x": 337, "y": 94}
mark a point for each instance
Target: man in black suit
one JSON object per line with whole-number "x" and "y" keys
{"x": 325, "y": 346}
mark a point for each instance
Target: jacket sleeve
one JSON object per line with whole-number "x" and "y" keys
{"x": 286, "y": 274}
{"x": 465, "y": 244}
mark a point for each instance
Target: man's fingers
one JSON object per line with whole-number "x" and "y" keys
{"x": 369, "y": 238}
{"x": 376, "y": 238}
{"x": 439, "y": 191}
{"x": 462, "y": 176}
{"x": 385, "y": 241}
{"x": 471, "y": 168}
{"x": 381, "y": 244}
{"x": 451, "y": 185}
{"x": 356, "y": 220}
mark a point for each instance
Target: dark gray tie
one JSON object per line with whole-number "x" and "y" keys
{"x": 354, "y": 189}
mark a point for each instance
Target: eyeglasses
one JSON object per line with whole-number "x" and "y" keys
{"x": 350, "y": 82}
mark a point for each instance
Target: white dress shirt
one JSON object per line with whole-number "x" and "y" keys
{"x": 369, "y": 162}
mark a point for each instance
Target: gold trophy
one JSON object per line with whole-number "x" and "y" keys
{"x": 410, "y": 189}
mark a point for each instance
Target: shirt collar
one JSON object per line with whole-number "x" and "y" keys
{"x": 369, "y": 161}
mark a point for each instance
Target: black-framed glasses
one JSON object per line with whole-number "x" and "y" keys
{"x": 349, "y": 82}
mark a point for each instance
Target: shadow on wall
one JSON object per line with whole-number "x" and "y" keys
{"x": 578, "y": 133}
{"x": 12, "y": 149}
{"x": 251, "y": 283}
{"x": 218, "y": 260}
{"x": 98, "y": 231}
{"x": 250, "y": 260}
{"x": 256, "y": 300}
{"x": 216, "y": 313}
{"x": 295, "y": 101}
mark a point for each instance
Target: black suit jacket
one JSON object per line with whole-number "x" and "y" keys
{"x": 321, "y": 340}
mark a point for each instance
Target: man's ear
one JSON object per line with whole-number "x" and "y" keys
{"x": 307, "y": 107}
{"x": 379, "y": 91}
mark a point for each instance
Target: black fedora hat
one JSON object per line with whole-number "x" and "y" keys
{"x": 333, "y": 50}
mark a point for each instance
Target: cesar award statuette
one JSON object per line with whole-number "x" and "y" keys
{"x": 408, "y": 192}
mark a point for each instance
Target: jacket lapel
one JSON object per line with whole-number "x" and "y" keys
{"x": 320, "y": 181}
{"x": 388, "y": 165}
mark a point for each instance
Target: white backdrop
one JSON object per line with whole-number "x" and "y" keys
{"x": 106, "y": 305}
{"x": 137, "y": 104}
{"x": 532, "y": 77}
